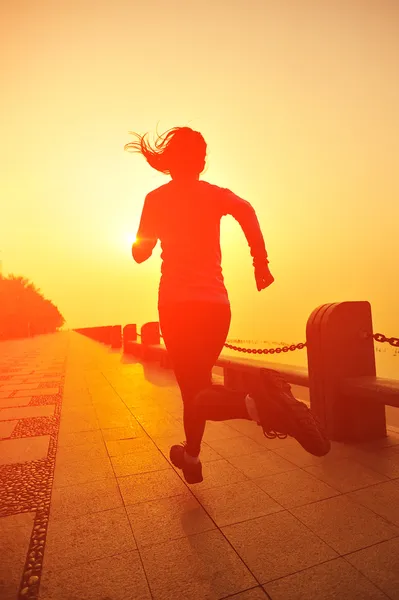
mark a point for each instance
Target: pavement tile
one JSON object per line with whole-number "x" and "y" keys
{"x": 217, "y": 473}
{"x": 144, "y": 487}
{"x": 19, "y": 450}
{"x": 85, "y": 451}
{"x": 15, "y": 401}
{"x": 391, "y": 439}
{"x": 277, "y": 545}
{"x": 164, "y": 443}
{"x": 253, "y": 431}
{"x": 130, "y": 446}
{"x": 237, "y": 446}
{"x": 382, "y": 499}
{"x": 243, "y": 426}
{"x": 333, "y": 580}
{"x": 345, "y": 525}
{"x": 26, "y": 412}
{"x": 380, "y": 563}
{"x": 79, "y": 413}
{"x": 384, "y": 460}
{"x": 119, "y": 577}
{"x": 163, "y": 427}
{"x": 167, "y": 519}
{"x": 48, "y": 381}
{"x": 78, "y": 500}
{"x": 300, "y": 457}
{"x": 113, "y": 419}
{"x": 256, "y": 593}
{"x": 20, "y": 372}
{"x": 79, "y": 438}
{"x": 14, "y": 543}
{"x": 133, "y": 430}
{"x": 295, "y": 488}
{"x": 139, "y": 462}
{"x": 198, "y": 567}
{"x": 18, "y": 520}
{"x": 234, "y": 503}
{"x": 37, "y": 392}
{"x": 16, "y": 387}
{"x": 6, "y": 428}
{"x": 218, "y": 431}
{"x": 78, "y": 472}
{"x": 346, "y": 475}
{"x": 261, "y": 463}
{"x": 72, "y": 424}
{"x": 71, "y": 542}
{"x": 76, "y": 400}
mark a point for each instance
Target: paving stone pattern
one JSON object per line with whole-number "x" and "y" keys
{"x": 91, "y": 508}
{"x": 26, "y": 483}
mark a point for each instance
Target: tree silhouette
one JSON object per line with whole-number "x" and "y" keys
{"x": 24, "y": 311}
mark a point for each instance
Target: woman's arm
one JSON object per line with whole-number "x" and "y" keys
{"x": 146, "y": 237}
{"x": 245, "y": 214}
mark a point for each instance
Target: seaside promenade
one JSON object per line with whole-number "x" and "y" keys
{"x": 92, "y": 509}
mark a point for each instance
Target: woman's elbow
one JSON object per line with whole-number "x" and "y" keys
{"x": 139, "y": 253}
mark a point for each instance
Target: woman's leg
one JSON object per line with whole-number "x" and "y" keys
{"x": 194, "y": 335}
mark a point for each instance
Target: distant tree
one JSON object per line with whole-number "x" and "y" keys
{"x": 24, "y": 311}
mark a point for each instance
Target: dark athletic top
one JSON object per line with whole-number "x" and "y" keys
{"x": 185, "y": 217}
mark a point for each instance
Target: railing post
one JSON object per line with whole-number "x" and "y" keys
{"x": 338, "y": 348}
{"x": 150, "y": 334}
{"x": 116, "y": 336}
{"x": 129, "y": 335}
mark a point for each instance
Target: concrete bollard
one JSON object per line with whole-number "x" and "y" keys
{"x": 129, "y": 335}
{"x": 150, "y": 334}
{"x": 338, "y": 348}
{"x": 116, "y": 336}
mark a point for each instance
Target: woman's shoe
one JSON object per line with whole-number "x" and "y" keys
{"x": 281, "y": 414}
{"x": 192, "y": 471}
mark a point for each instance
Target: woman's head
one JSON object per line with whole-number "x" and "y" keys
{"x": 179, "y": 152}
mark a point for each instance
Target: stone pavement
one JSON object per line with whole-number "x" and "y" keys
{"x": 91, "y": 508}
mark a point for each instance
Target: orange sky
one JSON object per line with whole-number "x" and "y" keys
{"x": 298, "y": 102}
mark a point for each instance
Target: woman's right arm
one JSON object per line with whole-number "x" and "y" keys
{"x": 147, "y": 237}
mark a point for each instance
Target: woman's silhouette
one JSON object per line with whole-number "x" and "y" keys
{"x": 194, "y": 309}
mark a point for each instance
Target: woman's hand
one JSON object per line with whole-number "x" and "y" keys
{"x": 263, "y": 277}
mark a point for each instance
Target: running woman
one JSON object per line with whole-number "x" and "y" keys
{"x": 194, "y": 309}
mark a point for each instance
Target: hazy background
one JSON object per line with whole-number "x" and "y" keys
{"x": 298, "y": 102}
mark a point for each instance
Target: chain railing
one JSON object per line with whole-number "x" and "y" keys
{"x": 378, "y": 337}
{"x": 277, "y": 350}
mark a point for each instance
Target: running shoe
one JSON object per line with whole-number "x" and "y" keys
{"x": 281, "y": 414}
{"x": 192, "y": 471}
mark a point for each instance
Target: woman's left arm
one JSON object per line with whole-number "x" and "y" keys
{"x": 147, "y": 237}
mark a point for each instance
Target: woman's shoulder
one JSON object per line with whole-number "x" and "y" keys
{"x": 204, "y": 187}
{"x": 214, "y": 189}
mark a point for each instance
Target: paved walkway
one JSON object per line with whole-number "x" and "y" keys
{"x": 90, "y": 507}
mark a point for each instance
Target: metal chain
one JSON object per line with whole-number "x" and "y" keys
{"x": 380, "y": 337}
{"x": 266, "y": 350}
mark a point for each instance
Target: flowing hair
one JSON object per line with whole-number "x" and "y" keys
{"x": 180, "y": 150}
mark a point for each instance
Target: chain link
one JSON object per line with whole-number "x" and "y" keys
{"x": 380, "y": 337}
{"x": 267, "y": 350}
